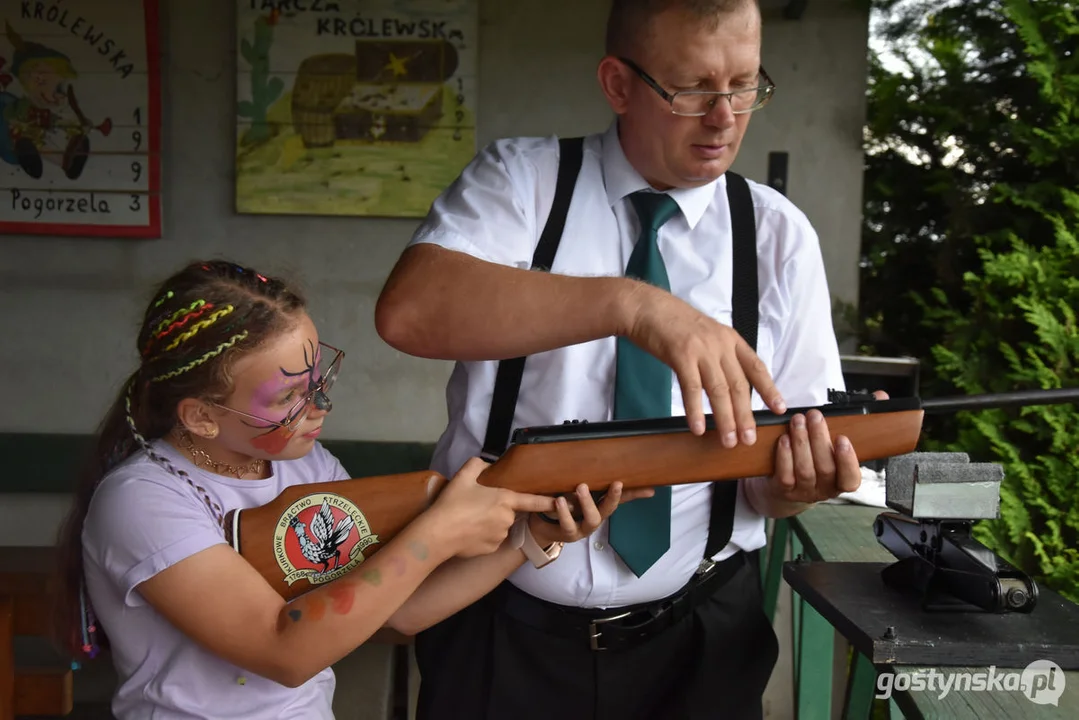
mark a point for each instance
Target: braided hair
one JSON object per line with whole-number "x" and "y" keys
{"x": 198, "y": 324}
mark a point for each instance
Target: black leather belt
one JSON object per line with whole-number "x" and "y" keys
{"x": 617, "y": 628}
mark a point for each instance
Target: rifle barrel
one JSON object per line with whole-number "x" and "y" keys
{"x": 991, "y": 401}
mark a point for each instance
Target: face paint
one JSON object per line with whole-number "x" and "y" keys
{"x": 310, "y": 365}
{"x": 274, "y": 441}
{"x": 341, "y": 597}
{"x": 316, "y": 607}
{"x": 266, "y": 402}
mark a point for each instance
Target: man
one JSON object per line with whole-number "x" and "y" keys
{"x": 595, "y": 634}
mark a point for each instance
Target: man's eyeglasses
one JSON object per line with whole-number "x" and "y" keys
{"x": 697, "y": 103}
{"x": 323, "y": 377}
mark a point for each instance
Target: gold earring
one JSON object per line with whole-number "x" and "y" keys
{"x": 212, "y": 433}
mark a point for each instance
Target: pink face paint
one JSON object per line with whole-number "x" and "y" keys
{"x": 266, "y": 402}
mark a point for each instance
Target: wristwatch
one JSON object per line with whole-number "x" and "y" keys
{"x": 521, "y": 537}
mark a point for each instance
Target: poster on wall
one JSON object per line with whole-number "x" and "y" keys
{"x": 80, "y": 118}
{"x": 355, "y": 107}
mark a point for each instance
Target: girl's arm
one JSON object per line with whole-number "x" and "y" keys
{"x": 462, "y": 581}
{"x": 223, "y": 603}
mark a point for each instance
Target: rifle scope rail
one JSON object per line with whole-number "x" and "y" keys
{"x": 841, "y": 403}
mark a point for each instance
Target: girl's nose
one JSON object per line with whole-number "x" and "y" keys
{"x": 322, "y": 401}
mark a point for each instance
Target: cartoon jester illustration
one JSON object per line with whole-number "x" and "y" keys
{"x": 45, "y": 123}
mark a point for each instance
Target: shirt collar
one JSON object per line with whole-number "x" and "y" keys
{"x": 620, "y": 179}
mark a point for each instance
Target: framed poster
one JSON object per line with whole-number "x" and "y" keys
{"x": 80, "y": 109}
{"x": 355, "y": 107}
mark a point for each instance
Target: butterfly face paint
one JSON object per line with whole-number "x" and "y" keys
{"x": 281, "y": 399}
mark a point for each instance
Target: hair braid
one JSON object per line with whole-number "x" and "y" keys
{"x": 166, "y": 463}
{"x": 200, "y": 322}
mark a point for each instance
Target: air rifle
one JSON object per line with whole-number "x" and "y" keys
{"x": 315, "y": 533}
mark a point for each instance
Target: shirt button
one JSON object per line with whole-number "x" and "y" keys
{"x": 598, "y": 545}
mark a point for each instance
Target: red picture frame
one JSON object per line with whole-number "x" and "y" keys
{"x": 80, "y": 118}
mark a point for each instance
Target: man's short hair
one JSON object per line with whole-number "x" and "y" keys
{"x": 629, "y": 20}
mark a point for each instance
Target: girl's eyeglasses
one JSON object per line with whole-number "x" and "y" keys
{"x": 327, "y": 375}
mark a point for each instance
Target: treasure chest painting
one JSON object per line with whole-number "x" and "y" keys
{"x": 358, "y": 108}
{"x": 79, "y": 118}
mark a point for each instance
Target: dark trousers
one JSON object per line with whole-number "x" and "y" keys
{"x": 482, "y": 664}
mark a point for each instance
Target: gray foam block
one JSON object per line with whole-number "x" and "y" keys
{"x": 899, "y": 476}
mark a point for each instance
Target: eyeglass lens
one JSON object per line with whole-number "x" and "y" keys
{"x": 699, "y": 103}
{"x": 322, "y": 380}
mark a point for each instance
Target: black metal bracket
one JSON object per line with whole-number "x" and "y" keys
{"x": 940, "y": 561}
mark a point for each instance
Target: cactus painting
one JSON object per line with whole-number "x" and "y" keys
{"x": 264, "y": 89}
{"x": 363, "y": 107}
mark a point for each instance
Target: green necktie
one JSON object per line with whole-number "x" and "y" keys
{"x": 640, "y": 531}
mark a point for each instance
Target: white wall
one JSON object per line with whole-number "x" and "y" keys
{"x": 71, "y": 306}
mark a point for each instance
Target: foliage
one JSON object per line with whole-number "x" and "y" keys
{"x": 970, "y": 252}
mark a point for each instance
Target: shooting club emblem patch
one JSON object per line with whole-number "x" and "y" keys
{"x": 320, "y": 537}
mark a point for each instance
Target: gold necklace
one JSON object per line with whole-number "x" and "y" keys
{"x": 200, "y": 457}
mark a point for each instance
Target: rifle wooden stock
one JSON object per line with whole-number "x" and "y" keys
{"x": 680, "y": 458}
{"x": 344, "y": 522}
{"x": 372, "y": 510}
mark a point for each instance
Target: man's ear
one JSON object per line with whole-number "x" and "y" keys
{"x": 195, "y": 416}
{"x": 614, "y": 80}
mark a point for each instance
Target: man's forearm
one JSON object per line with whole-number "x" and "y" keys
{"x": 442, "y": 304}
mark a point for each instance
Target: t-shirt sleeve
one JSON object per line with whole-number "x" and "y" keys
{"x": 490, "y": 210}
{"x": 136, "y": 527}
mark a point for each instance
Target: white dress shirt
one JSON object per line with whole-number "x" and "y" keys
{"x": 496, "y": 211}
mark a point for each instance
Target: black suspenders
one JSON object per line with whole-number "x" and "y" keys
{"x": 508, "y": 380}
{"x": 744, "y": 313}
{"x": 744, "y": 318}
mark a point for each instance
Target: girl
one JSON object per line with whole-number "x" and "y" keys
{"x": 223, "y": 412}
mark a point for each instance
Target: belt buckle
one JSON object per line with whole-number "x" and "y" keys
{"x": 594, "y": 632}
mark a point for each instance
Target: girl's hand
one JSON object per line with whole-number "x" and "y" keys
{"x": 568, "y": 529}
{"x": 472, "y": 519}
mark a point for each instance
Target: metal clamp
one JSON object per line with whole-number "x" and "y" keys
{"x": 594, "y": 631}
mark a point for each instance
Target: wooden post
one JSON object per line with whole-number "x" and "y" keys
{"x": 7, "y": 657}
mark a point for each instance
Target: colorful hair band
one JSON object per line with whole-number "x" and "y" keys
{"x": 195, "y": 363}
{"x": 183, "y": 321}
{"x": 176, "y": 315}
{"x": 202, "y": 324}
{"x": 89, "y": 625}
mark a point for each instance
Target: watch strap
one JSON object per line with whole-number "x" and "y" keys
{"x": 522, "y": 538}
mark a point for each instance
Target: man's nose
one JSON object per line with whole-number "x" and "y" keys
{"x": 721, "y": 114}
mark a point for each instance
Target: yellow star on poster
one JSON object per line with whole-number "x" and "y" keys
{"x": 397, "y": 66}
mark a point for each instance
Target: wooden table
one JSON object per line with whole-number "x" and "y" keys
{"x": 843, "y": 533}
{"x": 25, "y": 601}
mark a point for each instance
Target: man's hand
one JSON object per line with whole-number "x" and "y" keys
{"x": 704, "y": 355}
{"x": 809, "y": 468}
{"x": 569, "y": 529}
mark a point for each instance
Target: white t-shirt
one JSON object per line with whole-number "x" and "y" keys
{"x": 142, "y": 520}
{"x": 496, "y": 211}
